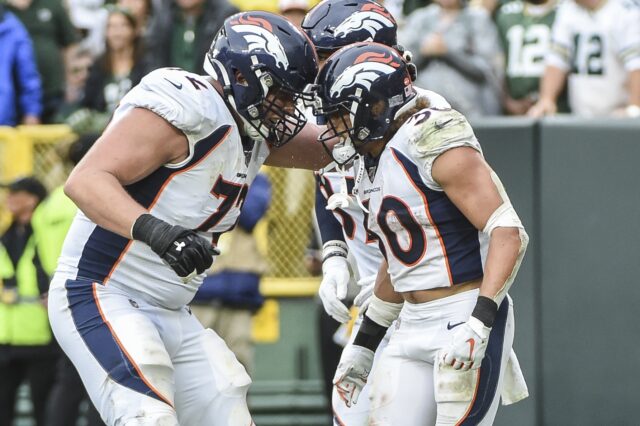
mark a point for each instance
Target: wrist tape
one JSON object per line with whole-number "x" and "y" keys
{"x": 383, "y": 313}
{"x": 370, "y": 334}
{"x": 485, "y": 311}
{"x": 334, "y": 248}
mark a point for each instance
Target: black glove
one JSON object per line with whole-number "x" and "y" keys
{"x": 183, "y": 249}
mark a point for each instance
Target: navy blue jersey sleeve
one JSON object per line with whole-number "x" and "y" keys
{"x": 330, "y": 227}
{"x": 256, "y": 204}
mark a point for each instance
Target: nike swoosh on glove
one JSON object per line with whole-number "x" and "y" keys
{"x": 333, "y": 288}
{"x": 352, "y": 373}
{"x": 468, "y": 345}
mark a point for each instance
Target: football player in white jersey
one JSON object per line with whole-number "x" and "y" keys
{"x": 331, "y": 25}
{"x": 452, "y": 243}
{"x": 595, "y": 45}
{"x": 166, "y": 178}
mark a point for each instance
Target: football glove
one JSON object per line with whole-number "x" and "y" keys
{"x": 333, "y": 288}
{"x": 363, "y": 298}
{"x": 352, "y": 373}
{"x": 468, "y": 345}
{"x": 182, "y": 249}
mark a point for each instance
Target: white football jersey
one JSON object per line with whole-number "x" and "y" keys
{"x": 598, "y": 48}
{"x": 363, "y": 244}
{"x": 428, "y": 242}
{"x": 204, "y": 192}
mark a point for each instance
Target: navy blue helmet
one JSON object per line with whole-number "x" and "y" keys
{"x": 333, "y": 24}
{"x": 264, "y": 63}
{"x": 366, "y": 82}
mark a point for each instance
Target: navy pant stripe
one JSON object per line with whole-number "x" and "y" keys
{"x": 489, "y": 369}
{"x": 100, "y": 341}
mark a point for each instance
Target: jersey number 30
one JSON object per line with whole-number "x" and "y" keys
{"x": 417, "y": 246}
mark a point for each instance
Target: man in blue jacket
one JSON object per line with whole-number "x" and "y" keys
{"x": 20, "y": 90}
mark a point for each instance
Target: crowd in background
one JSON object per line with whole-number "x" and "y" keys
{"x": 71, "y": 62}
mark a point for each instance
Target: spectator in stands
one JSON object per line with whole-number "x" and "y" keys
{"x": 50, "y": 222}
{"x": 141, "y": 10}
{"x": 80, "y": 61}
{"x": 89, "y": 17}
{"x": 182, "y": 31}
{"x": 112, "y": 75}
{"x": 230, "y": 295}
{"x": 27, "y": 350}
{"x": 293, "y": 10}
{"x": 525, "y": 33}
{"x": 51, "y": 31}
{"x": 595, "y": 45}
{"x": 457, "y": 52}
{"x": 19, "y": 79}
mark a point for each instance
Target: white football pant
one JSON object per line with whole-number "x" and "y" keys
{"x": 146, "y": 365}
{"x": 405, "y": 389}
{"x": 357, "y": 414}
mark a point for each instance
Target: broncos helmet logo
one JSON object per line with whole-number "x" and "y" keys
{"x": 258, "y": 34}
{"x": 362, "y": 74}
{"x": 371, "y": 18}
{"x": 366, "y": 69}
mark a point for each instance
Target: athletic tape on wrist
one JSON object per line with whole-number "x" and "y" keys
{"x": 485, "y": 311}
{"x": 383, "y": 313}
{"x": 334, "y": 248}
{"x": 370, "y": 334}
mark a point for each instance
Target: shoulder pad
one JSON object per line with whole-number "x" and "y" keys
{"x": 177, "y": 96}
{"x": 432, "y": 130}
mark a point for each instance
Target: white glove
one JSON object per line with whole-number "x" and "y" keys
{"x": 363, "y": 298}
{"x": 352, "y": 373}
{"x": 333, "y": 288}
{"x": 468, "y": 345}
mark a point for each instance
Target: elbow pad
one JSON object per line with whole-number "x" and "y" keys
{"x": 505, "y": 216}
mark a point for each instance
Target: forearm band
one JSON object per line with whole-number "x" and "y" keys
{"x": 486, "y": 310}
{"x": 370, "y": 334}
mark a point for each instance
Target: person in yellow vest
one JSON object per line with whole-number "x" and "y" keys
{"x": 27, "y": 350}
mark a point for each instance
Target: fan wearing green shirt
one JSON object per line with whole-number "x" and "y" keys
{"x": 525, "y": 33}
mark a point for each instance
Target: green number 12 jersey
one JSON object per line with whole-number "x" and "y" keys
{"x": 525, "y": 32}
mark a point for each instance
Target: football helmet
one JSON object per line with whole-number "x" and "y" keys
{"x": 264, "y": 63}
{"x": 359, "y": 90}
{"x": 333, "y": 24}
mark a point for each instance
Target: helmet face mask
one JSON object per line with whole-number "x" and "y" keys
{"x": 264, "y": 64}
{"x": 359, "y": 90}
